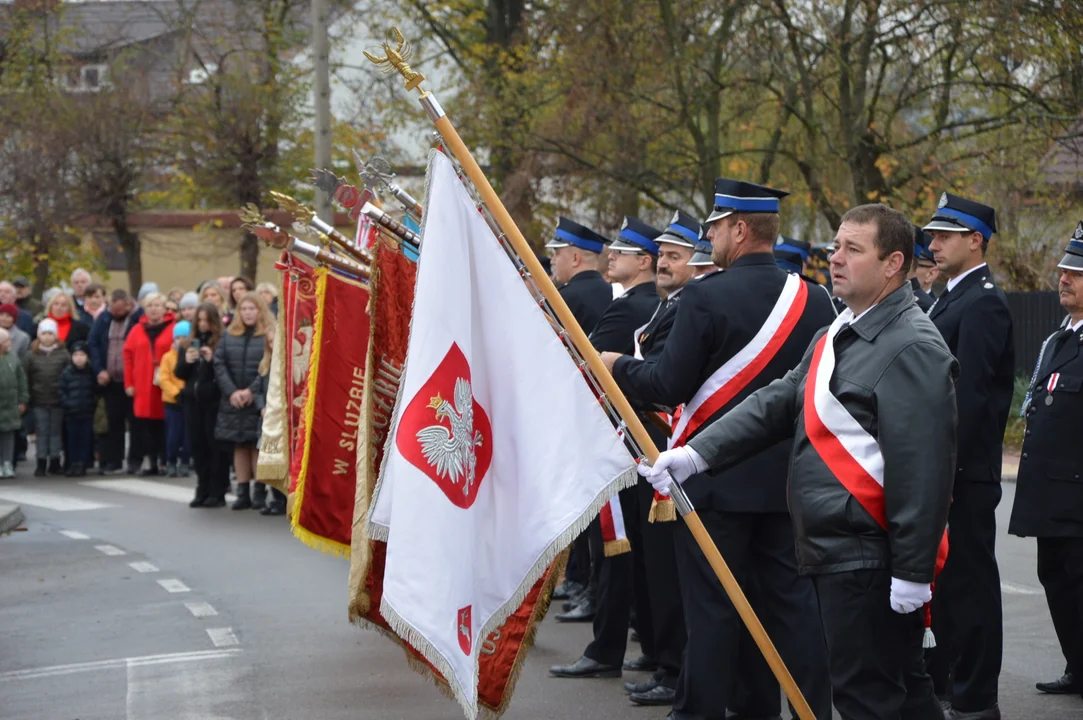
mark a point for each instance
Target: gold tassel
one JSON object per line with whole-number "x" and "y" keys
{"x": 617, "y": 547}
{"x": 664, "y": 511}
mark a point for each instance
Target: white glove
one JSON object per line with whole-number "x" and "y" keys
{"x": 677, "y": 464}
{"x": 906, "y": 596}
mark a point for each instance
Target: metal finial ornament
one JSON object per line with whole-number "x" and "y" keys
{"x": 395, "y": 58}
{"x": 325, "y": 180}
{"x": 250, "y": 215}
{"x": 299, "y": 211}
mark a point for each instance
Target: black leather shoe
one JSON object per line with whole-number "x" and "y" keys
{"x": 198, "y": 501}
{"x": 642, "y": 687}
{"x": 641, "y": 664}
{"x": 1064, "y": 685}
{"x": 584, "y": 667}
{"x": 567, "y": 590}
{"x": 992, "y": 713}
{"x": 658, "y": 695}
{"x": 582, "y": 613}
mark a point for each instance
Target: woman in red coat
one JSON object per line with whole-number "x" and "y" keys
{"x": 147, "y": 342}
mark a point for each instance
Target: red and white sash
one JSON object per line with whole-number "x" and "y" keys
{"x": 614, "y": 535}
{"x": 1053, "y": 380}
{"x": 735, "y": 374}
{"x": 851, "y": 454}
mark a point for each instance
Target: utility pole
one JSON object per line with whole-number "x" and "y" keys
{"x": 321, "y": 52}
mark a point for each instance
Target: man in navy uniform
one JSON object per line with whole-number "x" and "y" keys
{"x": 657, "y": 589}
{"x": 735, "y": 332}
{"x": 973, "y": 318}
{"x": 574, "y": 270}
{"x": 1049, "y": 490}
{"x": 921, "y": 250}
{"x": 633, "y": 262}
{"x": 576, "y": 253}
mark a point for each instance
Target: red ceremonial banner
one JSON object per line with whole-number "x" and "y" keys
{"x": 300, "y": 308}
{"x": 504, "y": 651}
{"x": 324, "y": 492}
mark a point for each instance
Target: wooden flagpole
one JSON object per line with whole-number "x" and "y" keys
{"x": 396, "y": 58}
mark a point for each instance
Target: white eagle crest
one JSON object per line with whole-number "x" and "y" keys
{"x": 453, "y": 453}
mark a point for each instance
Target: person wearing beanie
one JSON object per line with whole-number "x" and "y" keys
{"x": 146, "y": 289}
{"x": 79, "y": 399}
{"x": 188, "y": 304}
{"x": 20, "y": 341}
{"x": 177, "y": 443}
{"x": 14, "y": 395}
{"x": 44, "y": 364}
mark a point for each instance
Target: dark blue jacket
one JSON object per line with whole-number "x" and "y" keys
{"x": 98, "y": 341}
{"x": 78, "y": 392}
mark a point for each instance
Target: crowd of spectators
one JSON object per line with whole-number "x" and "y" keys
{"x": 173, "y": 384}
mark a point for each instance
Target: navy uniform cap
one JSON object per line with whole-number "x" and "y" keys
{"x": 956, "y": 214}
{"x": 732, "y": 196}
{"x": 683, "y": 230}
{"x": 636, "y": 237}
{"x": 572, "y": 234}
{"x": 789, "y": 260}
{"x": 1073, "y": 254}
{"x": 702, "y": 257}
{"x": 792, "y": 245}
{"x": 922, "y": 240}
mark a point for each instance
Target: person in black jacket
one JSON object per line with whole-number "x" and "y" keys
{"x": 735, "y": 332}
{"x": 573, "y": 268}
{"x": 1049, "y": 489}
{"x": 195, "y": 366}
{"x": 78, "y": 399}
{"x": 236, "y": 369}
{"x": 633, "y": 261}
{"x": 655, "y": 582}
{"x": 973, "y": 317}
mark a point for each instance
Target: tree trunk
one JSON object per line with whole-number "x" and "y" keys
{"x": 41, "y": 269}
{"x": 133, "y": 252}
{"x": 250, "y": 256}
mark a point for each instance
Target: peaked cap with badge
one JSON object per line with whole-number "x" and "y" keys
{"x": 572, "y": 234}
{"x": 636, "y": 237}
{"x": 702, "y": 257}
{"x": 791, "y": 254}
{"x": 1073, "y": 254}
{"x": 732, "y": 196}
{"x": 683, "y": 230}
{"x": 956, "y": 214}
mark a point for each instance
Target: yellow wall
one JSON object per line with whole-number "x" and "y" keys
{"x": 185, "y": 257}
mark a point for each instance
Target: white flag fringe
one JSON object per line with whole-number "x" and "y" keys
{"x": 499, "y": 453}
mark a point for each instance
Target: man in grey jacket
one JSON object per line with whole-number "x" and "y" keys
{"x": 872, "y": 411}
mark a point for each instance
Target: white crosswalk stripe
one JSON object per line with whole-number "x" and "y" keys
{"x": 147, "y": 488}
{"x": 48, "y": 499}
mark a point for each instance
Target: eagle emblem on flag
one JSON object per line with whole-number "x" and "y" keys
{"x": 446, "y": 434}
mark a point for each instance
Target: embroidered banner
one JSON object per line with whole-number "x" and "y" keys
{"x": 326, "y": 484}
{"x": 273, "y": 465}
{"x": 300, "y": 306}
{"x": 502, "y": 653}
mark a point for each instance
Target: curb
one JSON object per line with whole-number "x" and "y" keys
{"x": 11, "y": 517}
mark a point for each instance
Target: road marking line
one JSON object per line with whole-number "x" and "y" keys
{"x": 222, "y": 637}
{"x": 142, "y": 661}
{"x": 74, "y": 535}
{"x": 201, "y": 609}
{"x": 174, "y": 586}
{"x": 1013, "y": 589}
{"x": 48, "y": 500}
{"x": 146, "y": 488}
{"x": 143, "y": 567}
{"x": 109, "y": 550}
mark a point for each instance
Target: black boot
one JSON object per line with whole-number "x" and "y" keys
{"x": 55, "y": 468}
{"x": 259, "y": 495}
{"x": 243, "y": 501}
{"x": 41, "y": 471}
{"x": 78, "y": 470}
{"x": 277, "y": 506}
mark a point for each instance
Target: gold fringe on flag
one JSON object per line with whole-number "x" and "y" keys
{"x": 662, "y": 511}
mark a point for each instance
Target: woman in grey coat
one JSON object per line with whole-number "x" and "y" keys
{"x": 236, "y": 370}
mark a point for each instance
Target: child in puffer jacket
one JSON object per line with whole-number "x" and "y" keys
{"x": 177, "y": 442}
{"x": 79, "y": 399}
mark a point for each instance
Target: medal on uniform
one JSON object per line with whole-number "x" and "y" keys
{"x": 1050, "y": 386}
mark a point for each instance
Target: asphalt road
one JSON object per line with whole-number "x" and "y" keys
{"x": 120, "y": 602}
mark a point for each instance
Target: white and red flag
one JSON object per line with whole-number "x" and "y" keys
{"x": 499, "y": 453}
